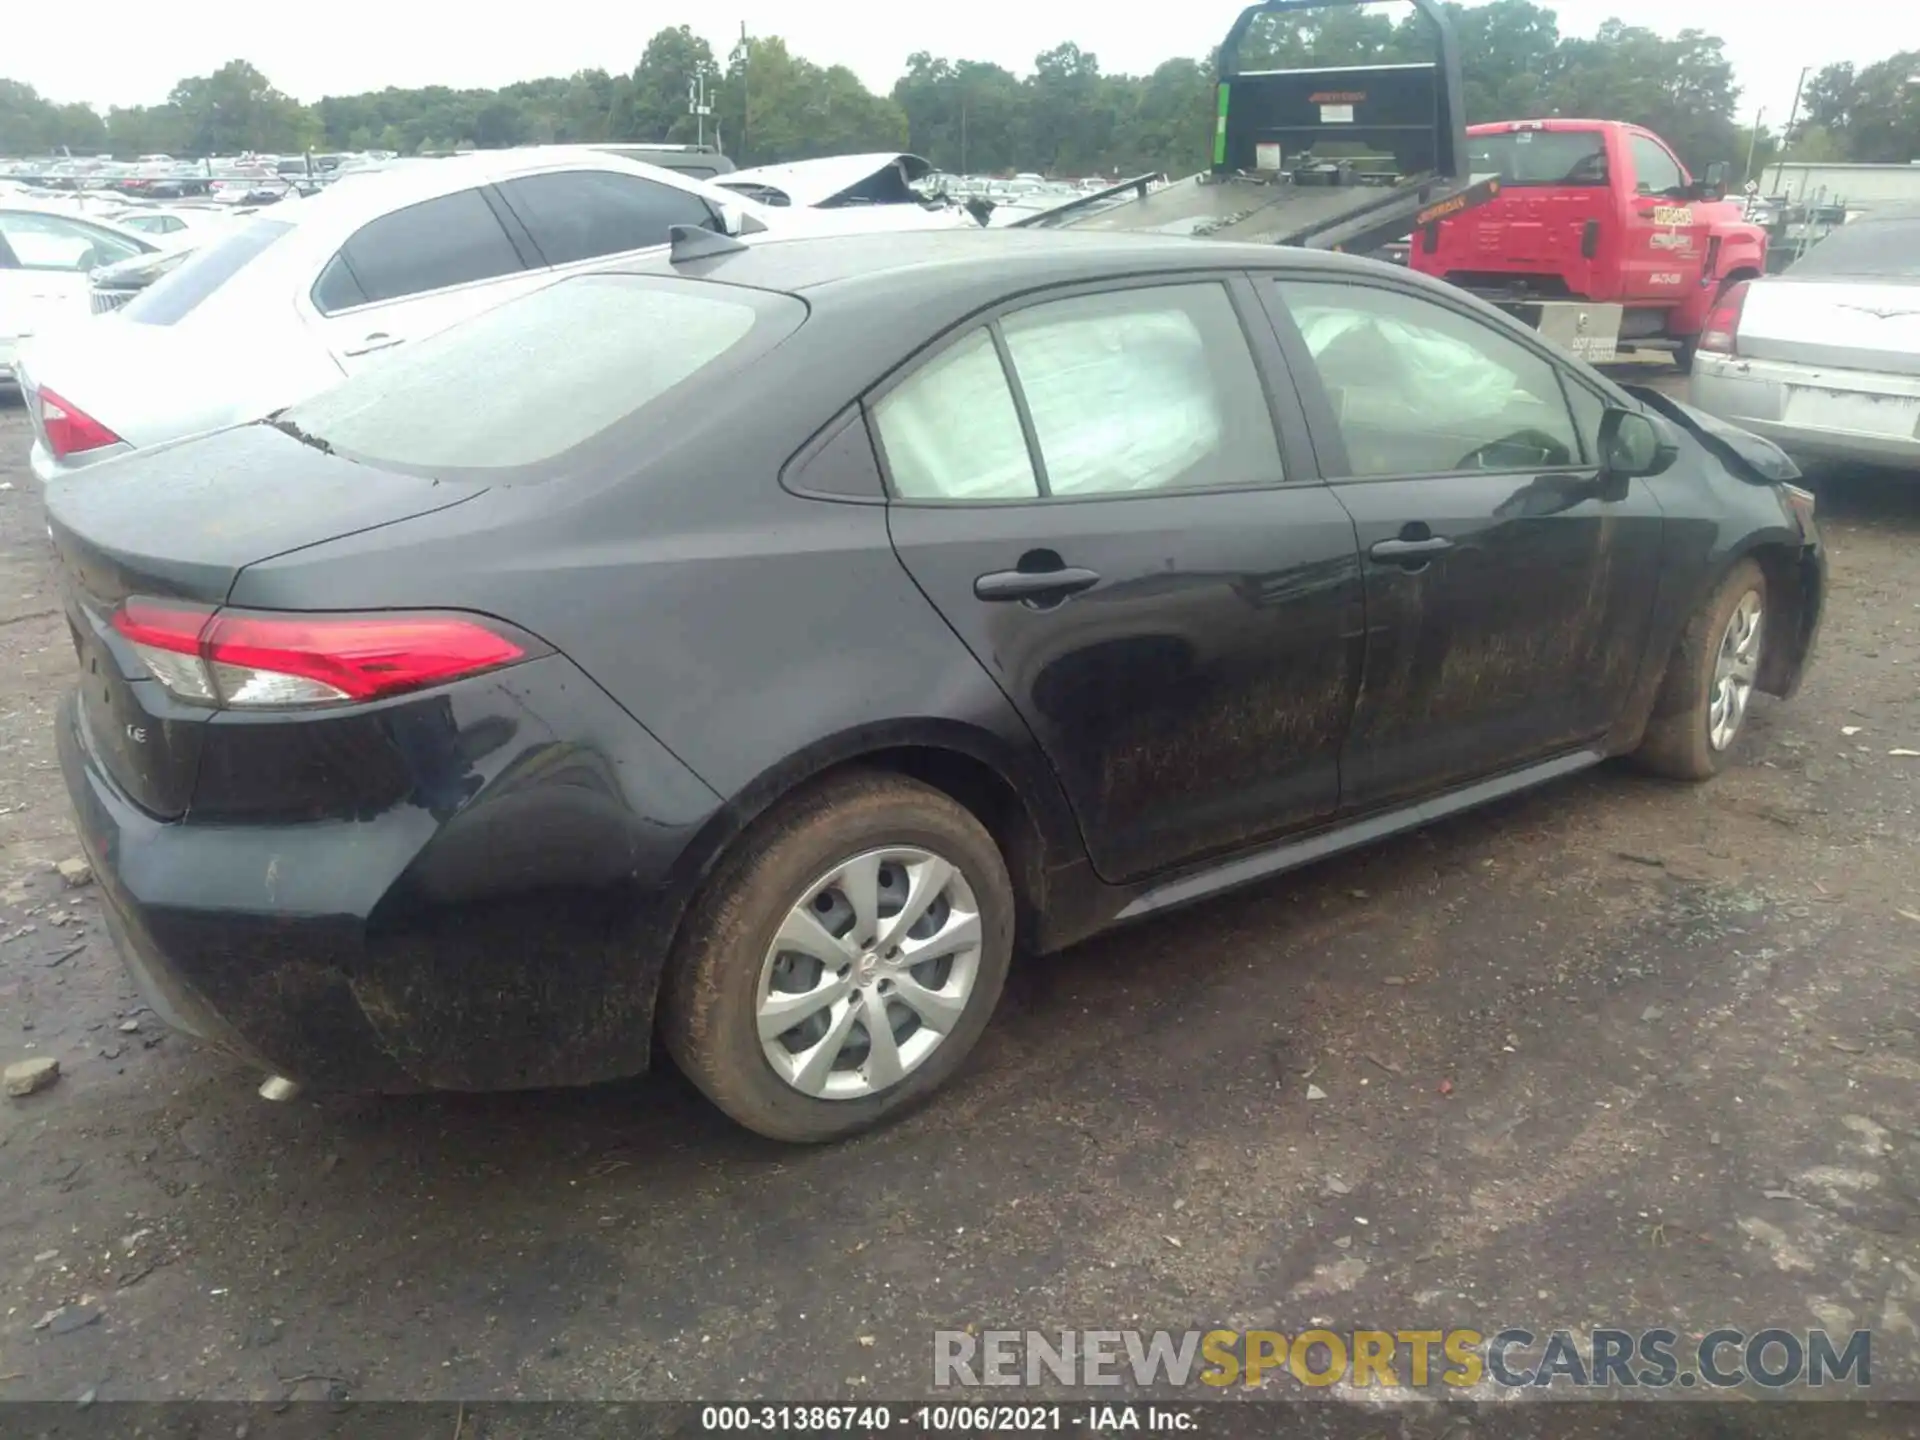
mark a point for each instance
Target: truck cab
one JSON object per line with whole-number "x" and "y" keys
{"x": 1599, "y": 236}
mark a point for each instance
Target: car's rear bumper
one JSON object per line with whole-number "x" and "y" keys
{"x": 1814, "y": 410}
{"x": 509, "y": 936}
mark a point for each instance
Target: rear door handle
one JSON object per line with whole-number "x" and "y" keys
{"x": 1410, "y": 552}
{"x": 379, "y": 340}
{"x": 1034, "y": 584}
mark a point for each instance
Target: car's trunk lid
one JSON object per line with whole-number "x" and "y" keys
{"x": 178, "y": 524}
{"x": 150, "y": 384}
{"x": 1848, "y": 324}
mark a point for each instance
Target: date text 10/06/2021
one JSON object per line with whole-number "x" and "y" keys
{"x": 960, "y": 1419}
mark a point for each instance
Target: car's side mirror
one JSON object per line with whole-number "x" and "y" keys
{"x": 736, "y": 221}
{"x": 1633, "y": 444}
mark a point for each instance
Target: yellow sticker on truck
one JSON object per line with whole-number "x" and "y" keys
{"x": 1673, "y": 214}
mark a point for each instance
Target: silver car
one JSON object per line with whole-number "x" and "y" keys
{"x": 1824, "y": 360}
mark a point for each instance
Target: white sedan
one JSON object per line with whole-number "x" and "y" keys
{"x": 46, "y": 254}
{"x": 286, "y": 304}
{"x": 176, "y": 225}
{"x": 1824, "y": 360}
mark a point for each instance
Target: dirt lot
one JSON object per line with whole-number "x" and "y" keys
{"x": 1619, "y": 1053}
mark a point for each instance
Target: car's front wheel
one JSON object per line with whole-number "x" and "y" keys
{"x": 843, "y": 960}
{"x": 1710, "y": 680}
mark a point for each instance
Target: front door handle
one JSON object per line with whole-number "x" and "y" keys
{"x": 379, "y": 340}
{"x": 1410, "y": 553}
{"x": 1034, "y": 584}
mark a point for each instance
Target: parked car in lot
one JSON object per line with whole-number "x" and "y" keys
{"x": 702, "y": 162}
{"x": 749, "y": 646}
{"x": 45, "y": 257}
{"x": 312, "y": 290}
{"x": 1825, "y": 358}
{"x": 114, "y": 285}
{"x": 870, "y": 192}
{"x": 172, "y": 225}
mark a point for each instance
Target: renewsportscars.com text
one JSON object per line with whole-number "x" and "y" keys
{"x": 1514, "y": 1358}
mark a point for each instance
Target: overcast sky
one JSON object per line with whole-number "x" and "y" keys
{"x": 136, "y": 50}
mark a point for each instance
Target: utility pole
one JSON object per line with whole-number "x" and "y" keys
{"x": 697, "y": 105}
{"x": 745, "y": 53}
{"x": 1794, "y": 114}
{"x": 1753, "y": 139}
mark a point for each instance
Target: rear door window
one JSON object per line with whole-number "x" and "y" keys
{"x": 576, "y": 215}
{"x": 1147, "y": 389}
{"x": 1143, "y": 389}
{"x": 452, "y": 240}
{"x": 952, "y": 430}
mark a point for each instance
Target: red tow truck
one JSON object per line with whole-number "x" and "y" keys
{"x": 1598, "y": 237}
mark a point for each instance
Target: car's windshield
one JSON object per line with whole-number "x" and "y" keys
{"x": 176, "y": 295}
{"x": 523, "y": 384}
{"x": 1540, "y": 157}
{"x": 1887, "y": 248}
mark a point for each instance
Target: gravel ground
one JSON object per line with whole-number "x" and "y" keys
{"x": 1617, "y": 1053}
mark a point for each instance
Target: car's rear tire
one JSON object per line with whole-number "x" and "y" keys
{"x": 800, "y": 924}
{"x": 1709, "y": 684}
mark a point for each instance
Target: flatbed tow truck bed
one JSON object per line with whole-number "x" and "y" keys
{"x": 1257, "y": 211}
{"x": 1334, "y": 158}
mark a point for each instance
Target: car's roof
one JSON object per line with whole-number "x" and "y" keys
{"x": 13, "y": 204}
{"x": 375, "y": 192}
{"x": 919, "y": 259}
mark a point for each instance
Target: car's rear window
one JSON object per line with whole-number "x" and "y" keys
{"x": 1540, "y": 157}
{"x": 523, "y": 384}
{"x": 1886, "y": 248}
{"x": 175, "y": 295}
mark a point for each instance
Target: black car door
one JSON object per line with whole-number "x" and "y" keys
{"x": 1092, "y": 489}
{"x": 1509, "y": 585}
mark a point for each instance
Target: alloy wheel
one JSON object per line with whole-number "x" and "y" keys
{"x": 872, "y": 968}
{"x": 1735, "y": 667}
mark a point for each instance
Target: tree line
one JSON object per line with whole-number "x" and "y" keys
{"x": 1068, "y": 117}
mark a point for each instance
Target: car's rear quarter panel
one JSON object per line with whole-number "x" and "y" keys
{"x": 761, "y": 636}
{"x": 465, "y": 904}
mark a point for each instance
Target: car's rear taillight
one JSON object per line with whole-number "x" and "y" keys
{"x": 274, "y": 660}
{"x": 1721, "y": 333}
{"x": 69, "y": 429}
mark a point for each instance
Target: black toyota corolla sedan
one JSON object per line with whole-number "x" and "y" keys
{"x": 746, "y": 652}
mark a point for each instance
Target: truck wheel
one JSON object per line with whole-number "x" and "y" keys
{"x": 1683, "y": 354}
{"x": 1709, "y": 683}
